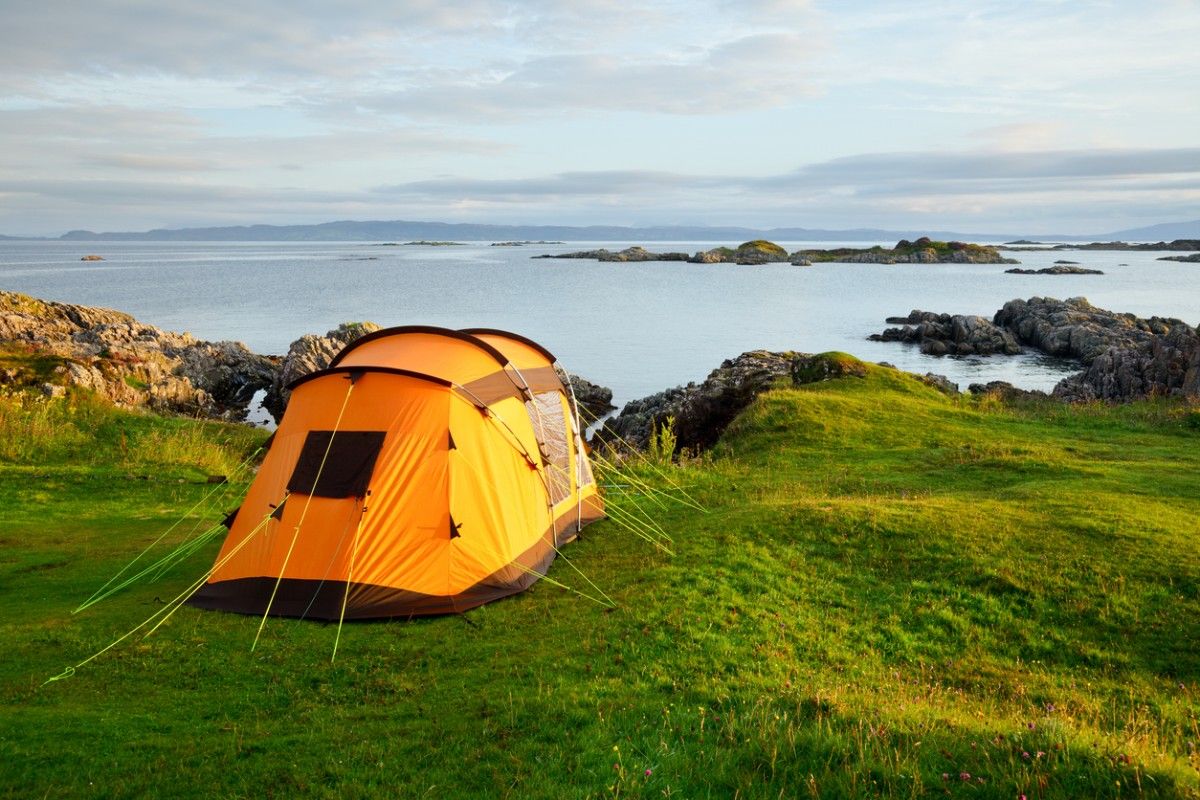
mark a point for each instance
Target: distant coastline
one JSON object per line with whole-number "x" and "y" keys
{"x": 403, "y": 230}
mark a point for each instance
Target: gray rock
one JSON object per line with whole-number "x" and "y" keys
{"x": 947, "y": 334}
{"x": 594, "y": 400}
{"x": 941, "y": 383}
{"x": 308, "y": 354}
{"x": 1058, "y": 269}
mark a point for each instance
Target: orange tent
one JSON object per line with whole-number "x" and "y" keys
{"x": 426, "y": 471}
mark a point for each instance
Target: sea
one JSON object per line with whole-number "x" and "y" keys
{"x": 637, "y": 328}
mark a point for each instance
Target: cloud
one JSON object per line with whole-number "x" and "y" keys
{"x": 103, "y": 142}
{"x": 756, "y": 71}
{"x": 884, "y": 173}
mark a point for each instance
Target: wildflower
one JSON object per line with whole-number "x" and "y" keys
{"x": 1025, "y": 754}
{"x": 1031, "y": 725}
{"x": 964, "y": 776}
{"x": 616, "y": 766}
{"x": 648, "y": 771}
{"x": 1041, "y": 753}
{"x": 945, "y": 776}
{"x": 1049, "y": 708}
{"x": 1022, "y": 797}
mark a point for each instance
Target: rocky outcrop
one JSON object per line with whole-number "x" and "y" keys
{"x": 594, "y": 400}
{"x": 1194, "y": 258}
{"x": 1074, "y": 328}
{"x": 1057, "y": 269}
{"x": 703, "y": 411}
{"x": 946, "y": 334}
{"x": 129, "y": 362}
{"x": 1125, "y": 357}
{"x": 308, "y": 354}
{"x": 921, "y": 251}
{"x": 1005, "y": 391}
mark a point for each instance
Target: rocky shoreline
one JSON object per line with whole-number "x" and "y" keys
{"x": 759, "y": 251}
{"x": 52, "y": 346}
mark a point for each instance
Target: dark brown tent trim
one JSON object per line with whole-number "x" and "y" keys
{"x": 313, "y": 599}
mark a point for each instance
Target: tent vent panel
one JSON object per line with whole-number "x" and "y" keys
{"x": 347, "y": 467}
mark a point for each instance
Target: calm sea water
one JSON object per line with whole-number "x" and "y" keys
{"x": 638, "y": 328}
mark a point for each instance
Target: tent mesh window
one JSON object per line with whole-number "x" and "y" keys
{"x": 348, "y": 460}
{"x": 584, "y": 465}
{"x": 546, "y": 413}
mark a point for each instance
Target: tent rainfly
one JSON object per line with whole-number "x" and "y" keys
{"x": 426, "y": 471}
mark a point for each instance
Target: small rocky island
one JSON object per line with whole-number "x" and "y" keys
{"x": 1057, "y": 269}
{"x": 420, "y": 243}
{"x": 1194, "y": 258}
{"x": 1177, "y": 244}
{"x": 760, "y": 251}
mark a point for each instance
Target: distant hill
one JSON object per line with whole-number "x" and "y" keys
{"x": 404, "y": 230}
{"x": 1163, "y": 232}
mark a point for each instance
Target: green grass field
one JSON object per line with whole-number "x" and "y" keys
{"x": 893, "y": 593}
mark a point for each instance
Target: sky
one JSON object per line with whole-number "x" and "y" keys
{"x": 1055, "y": 116}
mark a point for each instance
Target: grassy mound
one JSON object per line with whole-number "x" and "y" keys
{"x": 893, "y": 593}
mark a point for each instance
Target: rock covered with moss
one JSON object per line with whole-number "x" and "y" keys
{"x": 124, "y": 360}
{"x": 701, "y": 412}
{"x": 921, "y": 251}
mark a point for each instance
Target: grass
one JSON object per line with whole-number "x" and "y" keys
{"x": 894, "y": 593}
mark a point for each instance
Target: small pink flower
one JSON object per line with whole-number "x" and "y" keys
{"x": 1031, "y": 725}
{"x": 1041, "y": 753}
{"x": 1025, "y": 754}
{"x": 1022, "y": 797}
{"x": 648, "y": 771}
{"x": 964, "y": 776}
{"x": 945, "y": 776}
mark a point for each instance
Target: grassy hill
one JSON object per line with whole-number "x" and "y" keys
{"x": 893, "y": 593}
